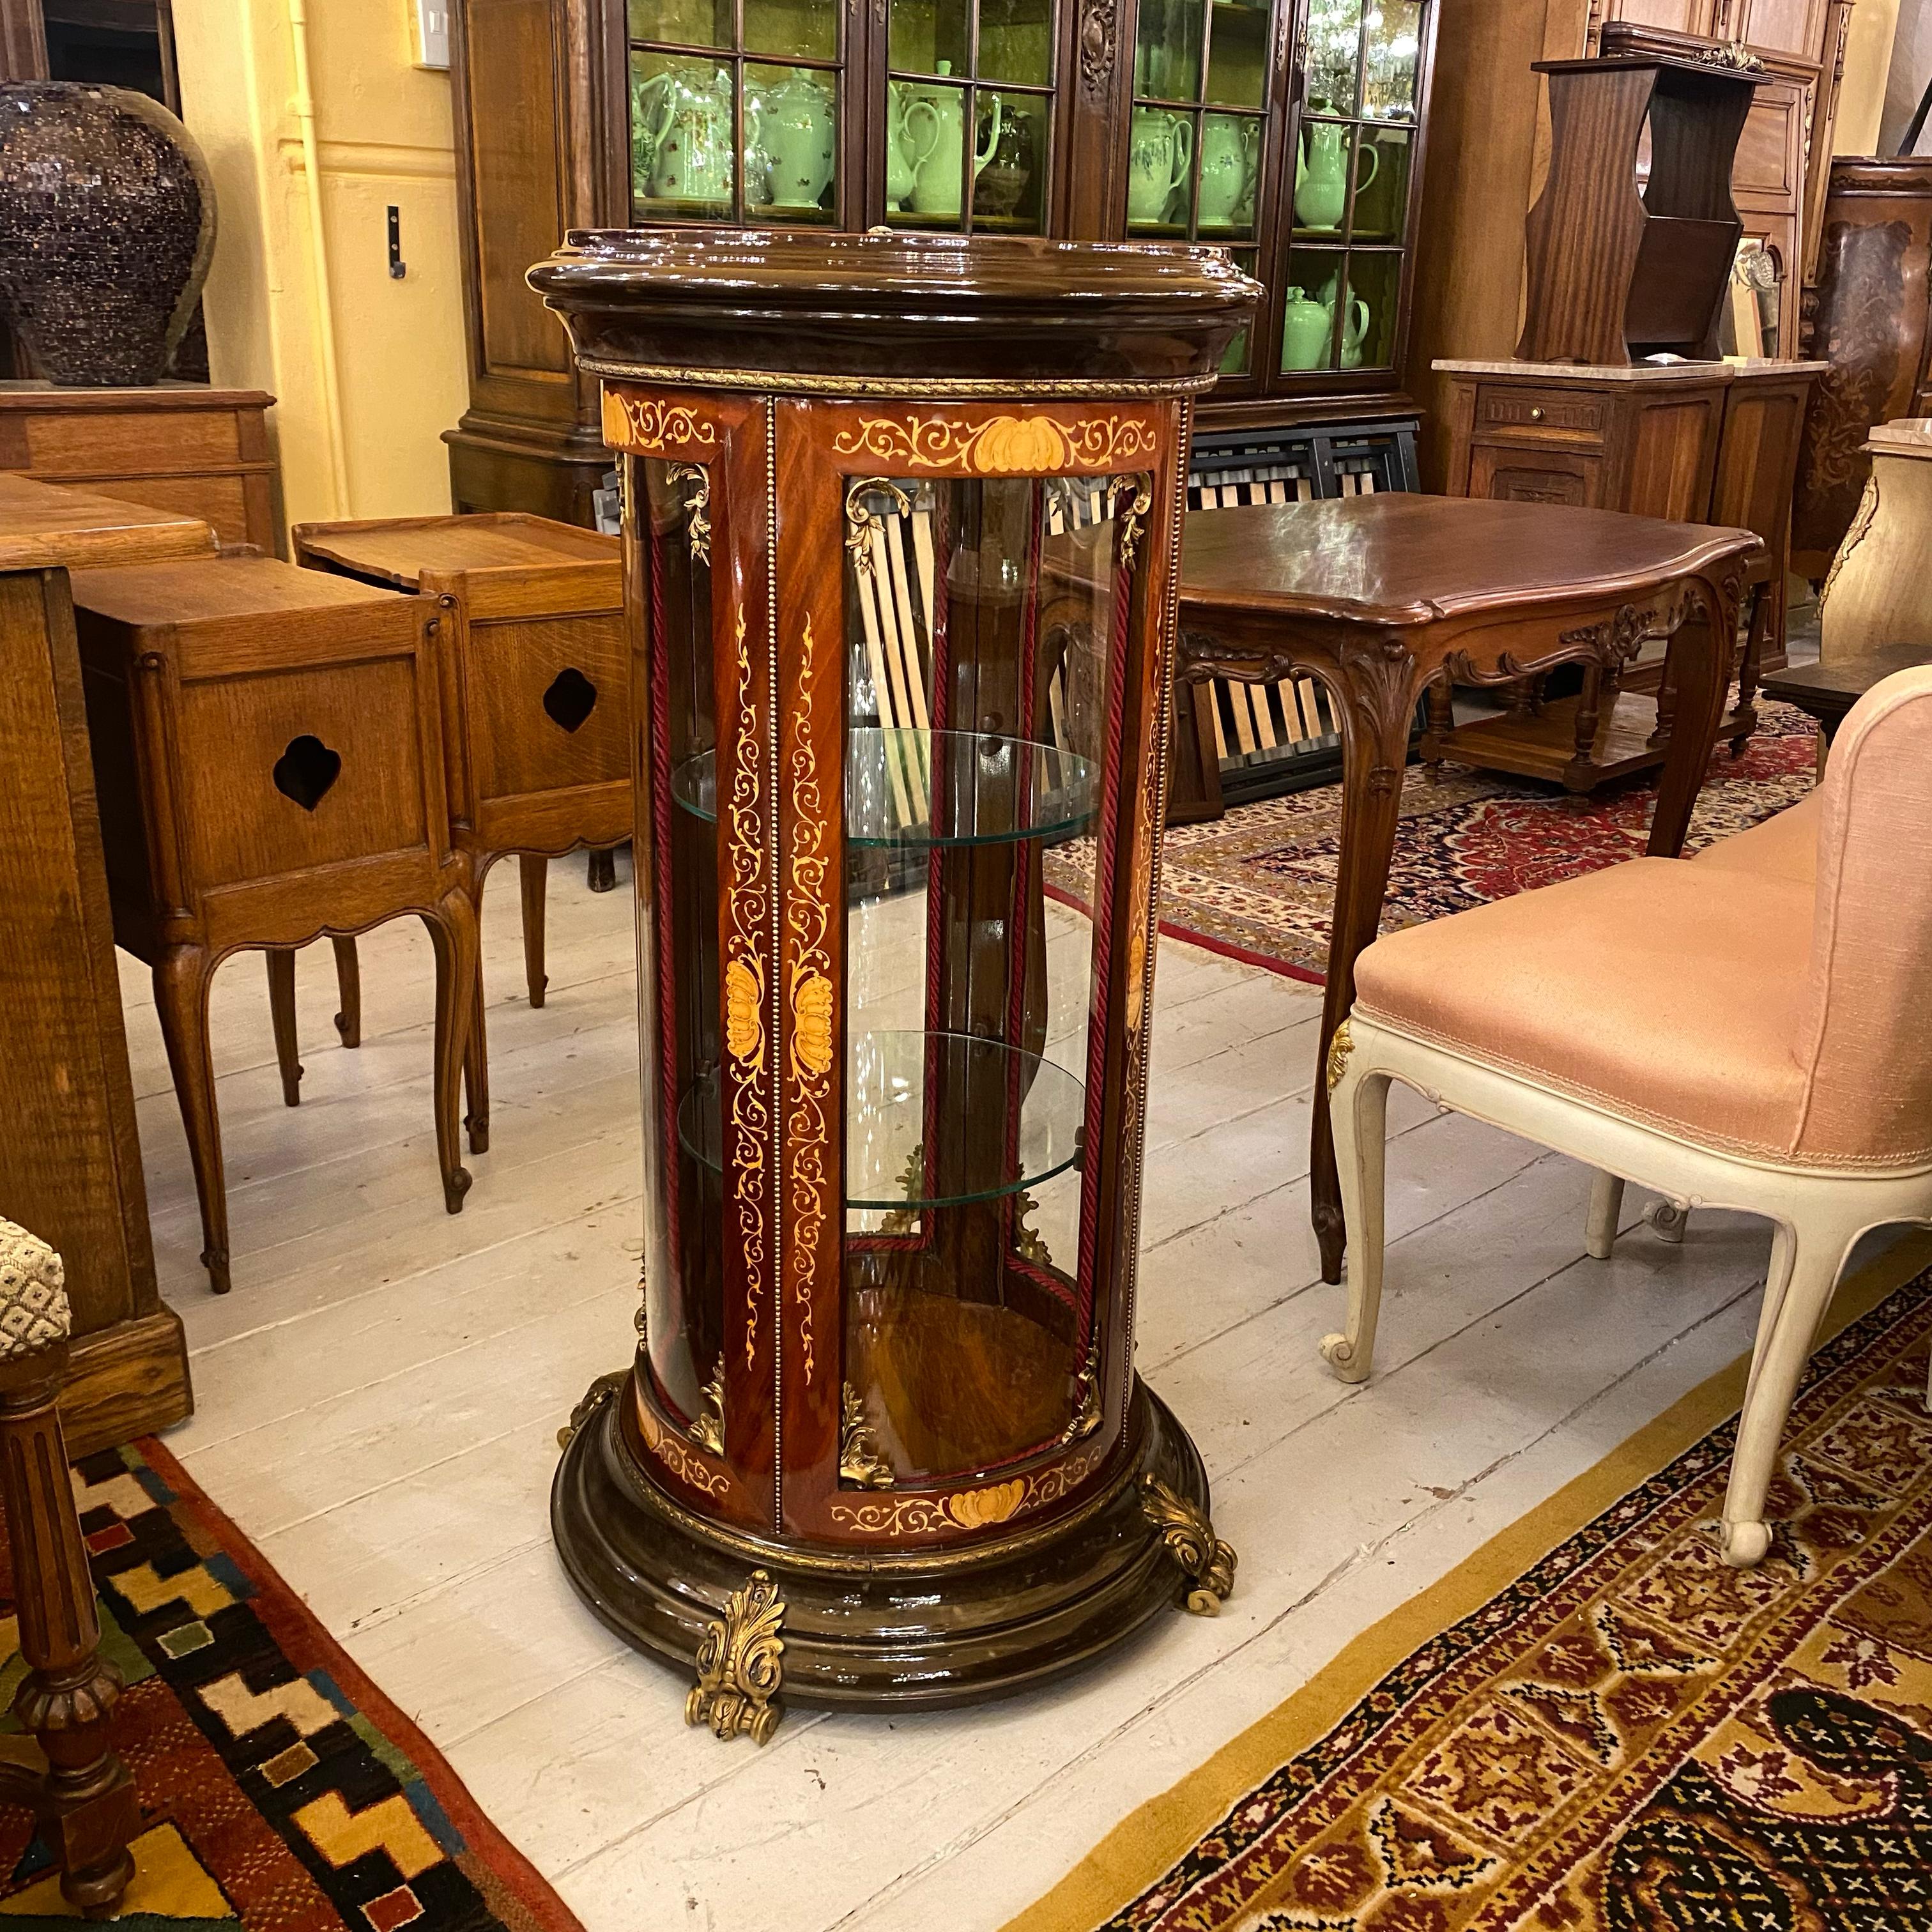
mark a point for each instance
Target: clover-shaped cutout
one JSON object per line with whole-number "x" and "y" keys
{"x": 570, "y": 698}
{"x": 305, "y": 771}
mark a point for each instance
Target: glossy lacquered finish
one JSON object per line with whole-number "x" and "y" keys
{"x": 903, "y": 618}
{"x": 1383, "y": 597}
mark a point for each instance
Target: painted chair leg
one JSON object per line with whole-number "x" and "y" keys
{"x": 1606, "y": 1207}
{"x": 1777, "y": 1286}
{"x": 1668, "y": 1221}
{"x": 181, "y": 975}
{"x": 88, "y": 1809}
{"x": 1358, "y": 1110}
{"x": 1817, "y": 1256}
{"x": 349, "y": 991}
{"x": 282, "y": 1017}
{"x": 452, "y": 932}
{"x": 532, "y": 875}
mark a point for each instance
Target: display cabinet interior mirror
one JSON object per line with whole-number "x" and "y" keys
{"x": 904, "y": 529}
{"x": 1288, "y": 133}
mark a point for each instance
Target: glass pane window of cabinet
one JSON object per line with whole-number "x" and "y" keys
{"x": 973, "y": 606}
{"x": 1199, "y": 123}
{"x": 718, "y": 136}
{"x": 1339, "y": 309}
{"x": 962, "y": 152}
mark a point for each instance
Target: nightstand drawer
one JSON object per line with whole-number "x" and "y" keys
{"x": 1569, "y": 416}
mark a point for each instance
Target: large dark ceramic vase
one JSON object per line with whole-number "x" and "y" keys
{"x": 107, "y": 226}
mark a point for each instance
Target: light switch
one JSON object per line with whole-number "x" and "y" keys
{"x": 432, "y": 32}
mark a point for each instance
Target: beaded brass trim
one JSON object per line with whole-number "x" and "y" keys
{"x": 1189, "y": 1537}
{"x": 740, "y": 1666}
{"x": 791, "y": 383}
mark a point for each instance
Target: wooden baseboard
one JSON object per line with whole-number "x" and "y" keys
{"x": 129, "y": 1380}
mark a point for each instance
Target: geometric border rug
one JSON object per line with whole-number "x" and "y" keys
{"x": 1259, "y": 884}
{"x": 1593, "y": 1725}
{"x": 278, "y": 1787}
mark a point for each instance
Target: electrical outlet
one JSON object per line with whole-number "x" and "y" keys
{"x": 432, "y": 32}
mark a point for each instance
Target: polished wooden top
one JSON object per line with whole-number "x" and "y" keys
{"x": 42, "y": 525}
{"x": 1400, "y": 558}
{"x": 400, "y": 549}
{"x": 154, "y": 596}
{"x": 894, "y": 306}
{"x": 1841, "y": 683}
{"x": 32, "y": 393}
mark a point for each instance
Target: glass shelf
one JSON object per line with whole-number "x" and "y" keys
{"x": 901, "y": 1153}
{"x": 908, "y": 788}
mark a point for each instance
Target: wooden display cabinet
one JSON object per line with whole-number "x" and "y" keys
{"x": 1291, "y": 132}
{"x": 903, "y": 537}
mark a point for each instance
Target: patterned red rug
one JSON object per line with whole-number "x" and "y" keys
{"x": 1259, "y": 885}
{"x": 278, "y": 1787}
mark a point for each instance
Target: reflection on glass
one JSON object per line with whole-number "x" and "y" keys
{"x": 1010, "y": 193}
{"x": 975, "y": 610}
{"x": 1394, "y": 38}
{"x": 931, "y": 36}
{"x": 678, "y": 1030}
{"x": 1160, "y": 160}
{"x": 1230, "y": 145}
{"x": 1381, "y": 193}
{"x": 932, "y": 128}
{"x": 681, "y": 133}
{"x": 1333, "y": 55}
{"x": 798, "y": 29}
{"x": 1016, "y": 42}
{"x": 791, "y": 141}
{"x": 1237, "y": 62}
{"x": 691, "y": 23}
{"x": 1167, "y": 50}
{"x": 1326, "y": 157}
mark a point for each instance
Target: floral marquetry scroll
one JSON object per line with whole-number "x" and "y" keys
{"x": 892, "y": 648}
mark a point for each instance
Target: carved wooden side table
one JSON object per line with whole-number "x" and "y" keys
{"x": 268, "y": 748}
{"x": 536, "y": 701}
{"x": 906, "y": 516}
{"x": 85, "y": 1798}
{"x": 1380, "y": 596}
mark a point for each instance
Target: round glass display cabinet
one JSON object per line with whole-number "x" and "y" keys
{"x": 902, "y": 520}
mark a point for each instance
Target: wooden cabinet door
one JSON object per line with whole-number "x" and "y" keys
{"x": 1674, "y": 17}
{"x": 1505, "y": 474}
{"x": 1779, "y": 26}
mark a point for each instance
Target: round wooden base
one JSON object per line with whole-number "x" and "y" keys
{"x": 878, "y": 1630}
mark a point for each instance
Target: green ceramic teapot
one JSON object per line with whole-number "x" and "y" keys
{"x": 1306, "y": 326}
{"x": 793, "y": 124}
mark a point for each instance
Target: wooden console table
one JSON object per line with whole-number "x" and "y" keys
{"x": 1380, "y": 596}
{"x": 70, "y": 1158}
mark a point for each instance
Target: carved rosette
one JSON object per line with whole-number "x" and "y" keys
{"x": 1189, "y": 1538}
{"x": 1098, "y": 36}
{"x": 740, "y": 1666}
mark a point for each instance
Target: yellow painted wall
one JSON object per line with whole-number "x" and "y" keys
{"x": 1868, "y": 45}
{"x": 383, "y": 135}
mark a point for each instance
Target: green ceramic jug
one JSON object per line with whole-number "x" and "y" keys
{"x": 1305, "y": 326}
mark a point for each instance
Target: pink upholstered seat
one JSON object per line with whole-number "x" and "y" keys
{"x": 1744, "y": 1007}
{"x": 1785, "y": 846}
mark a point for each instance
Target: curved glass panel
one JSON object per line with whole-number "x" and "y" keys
{"x": 908, "y": 787}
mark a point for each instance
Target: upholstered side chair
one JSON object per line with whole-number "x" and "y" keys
{"x": 1750, "y": 1029}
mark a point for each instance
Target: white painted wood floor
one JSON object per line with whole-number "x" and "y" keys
{"x": 379, "y": 1399}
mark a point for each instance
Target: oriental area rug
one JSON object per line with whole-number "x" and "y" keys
{"x": 278, "y": 1787}
{"x": 1259, "y": 885}
{"x": 1593, "y": 1725}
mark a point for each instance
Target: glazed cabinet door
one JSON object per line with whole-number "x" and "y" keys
{"x": 1344, "y": 231}
{"x": 747, "y": 112}
{"x": 1209, "y": 90}
{"x": 1674, "y": 17}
